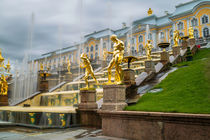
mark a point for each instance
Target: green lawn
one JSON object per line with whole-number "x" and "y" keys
{"x": 185, "y": 90}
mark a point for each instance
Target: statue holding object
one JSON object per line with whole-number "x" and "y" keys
{"x": 88, "y": 68}
{"x": 148, "y": 48}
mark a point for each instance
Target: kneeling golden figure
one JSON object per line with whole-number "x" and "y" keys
{"x": 116, "y": 60}
{"x": 88, "y": 68}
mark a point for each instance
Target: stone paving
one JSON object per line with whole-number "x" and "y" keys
{"x": 24, "y": 133}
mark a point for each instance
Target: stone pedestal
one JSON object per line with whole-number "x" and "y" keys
{"x": 191, "y": 42}
{"x": 114, "y": 97}
{"x": 184, "y": 44}
{"x": 68, "y": 77}
{"x": 88, "y": 99}
{"x": 44, "y": 86}
{"x": 4, "y": 100}
{"x": 149, "y": 66}
{"x": 129, "y": 77}
{"x": 164, "y": 57}
{"x": 176, "y": 50}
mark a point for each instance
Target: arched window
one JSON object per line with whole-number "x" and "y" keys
{"x": 140, "y": 48}
{"x": 171, "y": 33}
{"x": 205, "y": 19}
{"x": 180, "y": 25}
{"x": 194, "y": 22}
{"x": 91, "y": 56}
{"x": 133, "y": 50}
{"x": 196, "y": 33}
{"x": 104, "y": 45}
{"x": 96, "y": 56}
{"x": 181, "y": 34}
{"x": 96, "y": 47}
{"x": 133, "y": 40}
{"x": 87, "y": 49}
{"x": 150, "y": 36}
{"x": 206, "y": 32}
{"x": 162, "y": 35}
{"x": 91, "y": 48}
{"x": 140, "y": 38}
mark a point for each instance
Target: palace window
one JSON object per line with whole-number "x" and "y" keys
{"x": 140, "y": 38}
{"x": 150, "y": 36}
{"x": 162, "y": 35}
{"x": 206, "y": 32}
{"x": 87, "y": 49}
{"x": 133, "y": 40}
{"x": 196, "y": 33}
{"x": 104, "y": 45}
{"x": 140, "y": 48}
{"x": 171, "y": 33}
{"x": 91, "y": 48}
{"x": 181, "y": 34}
{"x": 91, "y": 56}
{"x": 96, "y": 56}
{"x": 133, "y": 51}
{"x": 205, "y": 19}
{"x": 194, "y": 22}
{"x": 180, "y": 25}
{"x": 96, "y": 47}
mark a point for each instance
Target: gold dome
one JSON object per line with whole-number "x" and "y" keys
{"x": 149, "y": 12}
{"x": 1, "y": 58}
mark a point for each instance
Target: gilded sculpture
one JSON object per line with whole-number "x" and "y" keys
{"x": 85, "y": 63}
{"x": 3, "y": 85}
{"x": 176, "y": 38}
{"x": 104, "y": 55}
{"x": 69, "y": 66}
{"x": 116, "y": 60}
{"x": 41, "y": 67}
{"x": 148, "y": 48}
{"x": 8, "y": 67}
{"x": 191, "y": 32}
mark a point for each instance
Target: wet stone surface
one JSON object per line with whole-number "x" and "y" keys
{"x": 24, "y": 133}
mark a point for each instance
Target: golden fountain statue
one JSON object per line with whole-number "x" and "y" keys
{"x": 3, "y": 85}
{"x": 88, "y": 68}
{"x": 69, "y": 66}
{"x": 149, "y": 12}
{"x": 191, "y": 32}
{"x": 104, "y": 55}
{"x": 176, "y": 38}
{"x": 4, "y": 75}
{"x": 148, "y": 48}
{"x": 41, "y": 67}
{"x": 116, "y": 60}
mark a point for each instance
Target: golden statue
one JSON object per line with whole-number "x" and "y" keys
{"x": 104, "y": 55}
{"x": 148, "y": 48}
{"x": 69, "y": 66}
{"x": 3, "y": 85}
{"x": 8, "y": 67}
{"x": 116, "y": 60}
{"x": 176, "y": 38}
{"x": 41, "y": 66}
{"x": 149, "y": 12}
{"x": 191, "y": 32}
{"x": 88, "y": 68}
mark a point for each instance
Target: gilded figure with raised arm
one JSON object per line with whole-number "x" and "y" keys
{"x": 148, "y": 48}
{"x": 117, "y": 57}
{"x": 85, "y": 63}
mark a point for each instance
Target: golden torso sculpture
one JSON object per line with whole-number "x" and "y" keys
{"x": 69, "y": 66}
{"x": 116, "y": 60}
{"x": 148, "y": 47}
{"x": 3, "y": 85}
{"x": 85, "y": 63}
{"x": 176, "y": 38}
{"x": 191, "y": 32}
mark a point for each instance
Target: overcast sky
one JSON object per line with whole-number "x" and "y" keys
{"x": 57, "y": 22}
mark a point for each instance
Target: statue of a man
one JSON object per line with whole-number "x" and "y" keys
{"x": 69, "y": 66}
{"x": 176, "y": 38}
{"x": 191, "y": 32}
{"x": 116, "y": 60}
{"x": 148, "y": 48}
{"x": 88, "y": 68}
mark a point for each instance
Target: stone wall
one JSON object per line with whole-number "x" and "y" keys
{"x": 155, "y": 125}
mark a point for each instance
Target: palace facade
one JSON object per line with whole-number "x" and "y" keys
{"x": 195, "y": 13}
